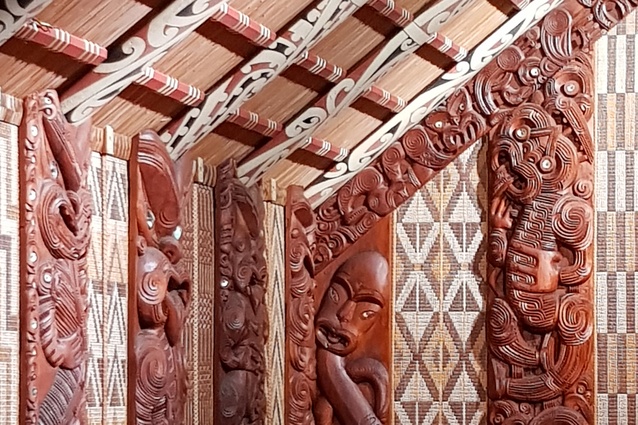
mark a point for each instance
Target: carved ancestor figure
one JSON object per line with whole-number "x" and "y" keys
{"x": 354, "y": 388}
{"x": 540, "y": 313}
{"x": 56, "y": 218}
{"x": 163, "y": 291}
{"x": 242, "y": 323}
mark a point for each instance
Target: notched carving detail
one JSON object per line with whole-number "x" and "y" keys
{"x": 540, "y": 309}
{"x": 354, "y": 388}
{"x": 402, "y": 169}
{"x": 56, "y": 217}
{"x": 300, "y": 292}
{"x": 241, "y": 319}
{"x": 516, "y": 76}
{"x": 163, "y": 290}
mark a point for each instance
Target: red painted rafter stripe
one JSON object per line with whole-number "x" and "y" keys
{"x": 241, "y": 24}
{"x": 58, "y": 40}
{"x": 319, "y": 66}
{"x": 251, "y": 121}
{"x": 388, "y": 8}
{"x": 448, "y": 47}
{"x": 325, "y": 149}
{"x": 170, "y": 87}
{"x": 385, "y": 99}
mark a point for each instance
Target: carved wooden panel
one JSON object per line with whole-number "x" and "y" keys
{"x": 540, "y": 310}
{"x": 240, "y": 318}
{"x": 55, "y": 219}
{"x": 338, "y": 338}
{"x": 301, "y": 376}
{"x": 470, "y": 113}
{"x": 353, "y": 334}
{"x": 162, "y": 291}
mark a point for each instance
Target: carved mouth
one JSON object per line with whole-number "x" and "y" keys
{"x": 337, "y": 341}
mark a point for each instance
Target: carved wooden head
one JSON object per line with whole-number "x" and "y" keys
{"x": 358, "y": 292}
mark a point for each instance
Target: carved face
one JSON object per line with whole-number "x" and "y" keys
{"x": 353, "y": 302}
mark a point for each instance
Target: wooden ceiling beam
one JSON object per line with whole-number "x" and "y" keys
{"x": 228, "y": 95}
{"x": 399, "y": 16}
{"x": 170, "y": 87}
{"x": 186, "y": 94}
{"x": 241, "y": 24}
{"x": 14, "y": 14}
{"x": 374, "y": 145}
{"x": 126, "y": 61}
{"x": 520, "y": 4}
{"x": 60, "y": 41}
{"x": 421, "y": 31}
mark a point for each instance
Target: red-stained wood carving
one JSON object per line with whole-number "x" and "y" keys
{"x": 511, "y": 79}
{"x": 162, "y": 289}
{"x": 540, "y": 309}
{"x": 241, "y": 322}
{"x": 337, "y": 326}
{"x": 301, "y": 376}
{"x": 354, "y": 385}
{"x": 55, "y": 220}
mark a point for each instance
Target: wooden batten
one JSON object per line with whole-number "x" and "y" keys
{"x": 203, "y": 173}
{"x": 107, "y": 142}
{"x": 272, "y": 192}
{"x": 10, "y": 109}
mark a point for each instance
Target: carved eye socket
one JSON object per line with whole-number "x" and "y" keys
{"x": 368, "y": 314}
{"x": 334, "y": 295}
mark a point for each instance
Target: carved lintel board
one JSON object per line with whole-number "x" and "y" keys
{"x": 55, "y": 216}
{"x": 466, "y": 116}
{"x": 240, "y": 285}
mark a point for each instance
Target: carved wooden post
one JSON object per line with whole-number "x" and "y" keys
{"x": 240, "y": 312}
{"x": 161, "y": 298}
{"x": 337, "y": 326}
{"x": 540, "y": 310}
{"x": 55, "y": 231}
{"x": 301, "y": 376}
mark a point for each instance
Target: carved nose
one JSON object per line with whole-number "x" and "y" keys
{"x": 346, "y": 312}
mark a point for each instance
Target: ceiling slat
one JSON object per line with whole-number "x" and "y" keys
{"x": 420, "y": 32}
{"x": 418, "y": 108}
{"x": 14, "y": 14}
{"x": 127, "y": 61}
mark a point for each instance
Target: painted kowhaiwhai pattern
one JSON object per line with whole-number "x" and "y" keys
{"x": 9, "y": 275}
{"x": 616, "y": 215}
{"x": 439, "y": 346}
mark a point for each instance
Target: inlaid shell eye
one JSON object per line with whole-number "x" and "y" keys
{"x": 367, "y": 314}
{"x": 334, "y": 295}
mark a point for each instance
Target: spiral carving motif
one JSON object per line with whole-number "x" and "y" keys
{"x": 56, "y": 217}
{"x": 540, "y": 311}
{"x": 162, "y": 290}
{"x": 240, "y": 302}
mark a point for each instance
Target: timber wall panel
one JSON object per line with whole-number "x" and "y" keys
{"x": 9, "y": 275}
{"x": 108, "y": 262}
{"x": 616, "y": 214}
{"x": 439, "y": 260}
{"x": 274, "y": 226}
{"x": 197, "y": 241}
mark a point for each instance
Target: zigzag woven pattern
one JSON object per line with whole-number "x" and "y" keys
{"x": 275, "y": 298}
{"x": 439, "y": 347}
